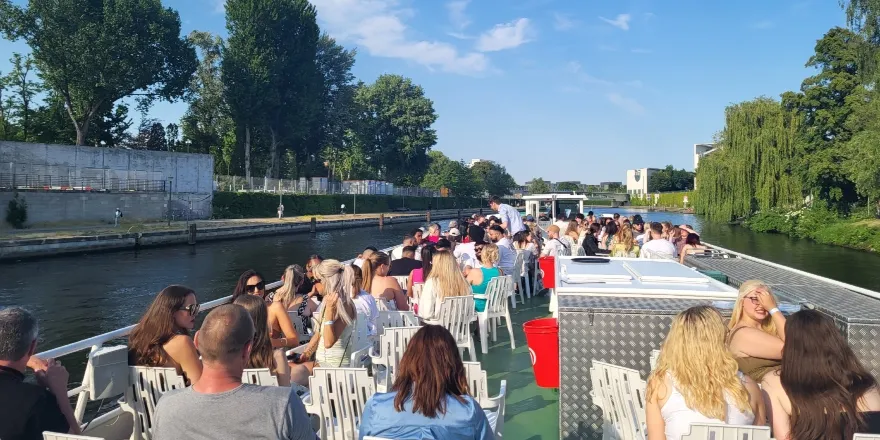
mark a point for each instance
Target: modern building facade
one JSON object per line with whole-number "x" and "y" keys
{"x": 637, "y": 181}
{"x": 702, "y": 150}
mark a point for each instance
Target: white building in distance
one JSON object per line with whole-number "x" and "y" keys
{"x": 702, "y": 150}
{"x": 637, "y": 181}
{"x": 476, "y": 161}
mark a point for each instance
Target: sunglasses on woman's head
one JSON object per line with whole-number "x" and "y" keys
{"x": 255, "y": 287}
{"x": 192, "y": 309}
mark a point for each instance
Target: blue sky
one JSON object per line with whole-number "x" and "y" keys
{"x": 567, "y": 89}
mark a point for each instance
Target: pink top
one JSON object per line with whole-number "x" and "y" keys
{"x": 433, "y": 239}
{"x": 417, "y": 276}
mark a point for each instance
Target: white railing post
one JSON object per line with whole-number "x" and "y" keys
{"x": 83, "y": 398}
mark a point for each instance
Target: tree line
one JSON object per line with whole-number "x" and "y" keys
{"x": 819, "y": 146}
{"x": 277, "y": 98}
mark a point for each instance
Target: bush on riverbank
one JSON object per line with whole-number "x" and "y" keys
{"x": 258, "y": 205}
{"x": 667, "y": 199}
{"x": 819, "y": 223}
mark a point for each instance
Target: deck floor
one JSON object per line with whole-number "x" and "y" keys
{"x": 532, "y": 413}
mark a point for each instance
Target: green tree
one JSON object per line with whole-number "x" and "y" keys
{"x": 394, "y": 128}
{"x": 109, "y": 128}
{"x": 493, "y": 178}
{"x": 670, "y": 179}
{"x": 6, "y": 127}
{"x": 23, "y": 91}
{"x": 863, "y": 165}
{"x": 93, "y": 53}
{"x": 337, "y": 112}
{"x": 446, "y": 173}
{"x": 568, "y": 186}
{"x": 825, "y": 104}
{"x": 539, "y": 186}
{"x": 151, "y": 136}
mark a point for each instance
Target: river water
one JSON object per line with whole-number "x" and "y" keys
{"x": 81, "y": 296}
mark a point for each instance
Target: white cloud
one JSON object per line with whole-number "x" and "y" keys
{"x": 641, "y": 50}
{"x": 505, "y": 36}
{"x": 378, "y": 26}
{"x": 457, "y": 16}
{"x": 628, "y": 104}
{"x": 621, "y": 22}
{"x": 561, "y": 22}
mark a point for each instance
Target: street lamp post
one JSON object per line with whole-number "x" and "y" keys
{"x": 170, "y": 180}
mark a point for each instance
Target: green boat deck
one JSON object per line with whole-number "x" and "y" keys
{"x": 531, "y": 412}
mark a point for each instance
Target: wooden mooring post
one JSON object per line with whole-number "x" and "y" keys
{"x": 381, "y": 221}
{"x": 192, "y": 233}
{"x": 428, "y": 216}
{"x": 313, "y": 225}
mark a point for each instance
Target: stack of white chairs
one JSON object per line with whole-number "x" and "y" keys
{"x": 478, "y": 386}
{"x": 496, "y": 308}
{"x": 147, "y": 385}
{"x": 385, "y": 360}
{"x": 620, "y": 392}
{"x": 395, "y": 319}
{"x": 705, "y": 431}
{"x": 456, "y": 314}
{"x": 259, "y": 376}
{"x": 59, "y": 436}
{"x": 518, "y": 266}
{"x": 338, "y": 397}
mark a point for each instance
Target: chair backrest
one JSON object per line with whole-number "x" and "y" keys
{"x": 59, "y": 436}
{"x": 518, "y": 263}
{"x": 704, "y": 431}
{"x": 395, "y": 319}
{"x": 417, "y": 291}
{"x": 478, "y": 386}
{"x": 403, "y": 280}
{"x": 338, "y": 396}
{"x": 392, "y": 345}
{"x": 147, "y": 385}
{"x": 655, "y": 354}
{"x": 623, "y": 391}
{"x": 301, "y": 332}
{"x": 259, "y": 376}
{"x": 866, "y": 437}
{"x": 497, "y": 291}
{"x": 456, "y": 314}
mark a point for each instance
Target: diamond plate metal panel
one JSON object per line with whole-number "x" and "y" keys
{"x": 864, "y": 341}
{"x": 621, "y": 331}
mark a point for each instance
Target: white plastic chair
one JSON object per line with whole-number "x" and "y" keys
{"x": 259, "y": 376}
{"x": 478, "y": 386}
{"x": 705, "y": 431}
{"x": 496, "y": 308}
{"x": 361, "y": 342}
{"x": 865, "y": 437}
{"x": 655, "y": 354}
{"x": 518, "y": 282}
{"x": 59, "y": 436}
{"x": 416, "y": 293}
{"x": 392, "y": 345}
{"x": 302, "y": 334}
{"x": 395, "y": 319}
{"x": 338, "y": 396}
{"x": 146, "y": 386}
{"x": 620, "y": 392}
{"x": 403, "y": 280}
{"x": 456, "y": 314}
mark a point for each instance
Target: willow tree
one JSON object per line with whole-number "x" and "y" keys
{"x": 752, "y": 170}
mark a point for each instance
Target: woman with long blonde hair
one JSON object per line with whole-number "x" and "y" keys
{"x": 444, "y": 281}
{"x": 488, "y": 255}
{"x": 332, "y": 343}
{"x": 696, "y": 379}
{"x": 624, "y": 244}
{"x": 281, "y": 328}
{"x": 757, "y": 331}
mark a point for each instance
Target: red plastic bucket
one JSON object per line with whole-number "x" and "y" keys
{"x": 542, "y": 337}
{"x": 548, "y": 265}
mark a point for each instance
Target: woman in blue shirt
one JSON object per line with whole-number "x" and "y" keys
{"x": 429, "y": 398}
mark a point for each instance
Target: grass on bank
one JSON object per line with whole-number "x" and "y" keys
{"x": 858, "y": 231}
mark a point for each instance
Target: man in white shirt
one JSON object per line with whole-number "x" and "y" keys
{"x": 657, "y": 248}
{"x": 553, "y": 244}
{"x": 561, "y": 222}
{"x": 397, "y": 253}
{"x": 509, "y": 216}
{"x": 506, "y": 252}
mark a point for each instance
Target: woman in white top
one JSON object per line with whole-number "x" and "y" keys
{"x": 445, "y": 280}
{"x": 364, "y": 302}
{"x": 333, "y": 339}
{"x": 696, "y": 379}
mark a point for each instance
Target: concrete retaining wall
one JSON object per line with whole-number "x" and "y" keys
{"x": 33, "y": 248}
{"x": 57, "y": 206}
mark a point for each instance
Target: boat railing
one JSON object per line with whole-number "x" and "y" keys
{"x": 847, "y": 286}
{"x": 94, "y": 343}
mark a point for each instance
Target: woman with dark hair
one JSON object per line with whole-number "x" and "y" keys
{"x": 262, "y": 353}
{"x": 591, "y": 242}
{"x": 418, "y": 276}
{"x": 161, "y": 338}
{"x": 691, "y": 246}
{"x": 429, "y": 398}
{"x": 610, "y": 231}
{"x": 250, "y": 283}
{"x": 824, "y": 392}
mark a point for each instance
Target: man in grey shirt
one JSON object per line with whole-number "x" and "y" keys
{"x": 219, "y": 406}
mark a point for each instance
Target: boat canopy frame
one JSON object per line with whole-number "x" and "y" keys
{"x": 533, "y": 202}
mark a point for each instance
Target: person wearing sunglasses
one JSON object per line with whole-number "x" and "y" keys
{"x": 757, "y": 332}
{"x": 162, "y": 336}
{"x": 250, "y": 283}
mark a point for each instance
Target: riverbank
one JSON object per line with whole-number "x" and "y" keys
{"x": 859, "y": 231}
{"x": 63, "y": 241}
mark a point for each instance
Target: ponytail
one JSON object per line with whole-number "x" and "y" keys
{"x": 367, "y": 270}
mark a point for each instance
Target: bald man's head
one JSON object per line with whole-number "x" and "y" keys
{"x": 225, "y": 333}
